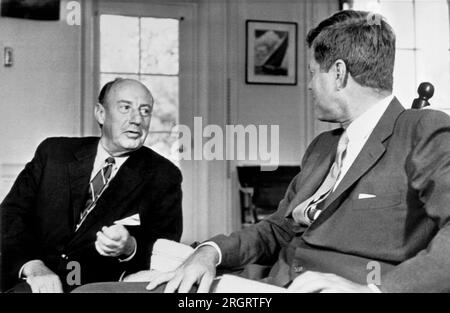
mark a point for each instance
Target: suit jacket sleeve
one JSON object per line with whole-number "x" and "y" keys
{"x": 19, "y": 244}
{"x": 161, "y": 217}
{"x": 428, "y": 169}
{"x": 262, "y": 242}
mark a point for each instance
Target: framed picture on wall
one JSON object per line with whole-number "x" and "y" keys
{"x": 271, "y": 52}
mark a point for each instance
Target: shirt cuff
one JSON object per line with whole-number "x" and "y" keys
{"x": 215, "y": 246}
{"x": 122, "y": 276}
{"x": 374, "y": 288}
{"x": 131, "y": 255}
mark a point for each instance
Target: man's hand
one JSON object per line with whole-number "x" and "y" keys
{"x": 199, "y": 268}
{"x": 325, "y": 283}
{"x": 40, "y": 278}
{"x": 114, "y": 241}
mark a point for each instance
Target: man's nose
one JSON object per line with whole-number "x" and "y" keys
{"x": 135, "y": 117}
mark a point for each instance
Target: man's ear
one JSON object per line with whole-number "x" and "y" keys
{"x": 341, "y": 74}
{"x": 99, "y": 112}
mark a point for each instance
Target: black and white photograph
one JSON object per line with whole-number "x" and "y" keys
{"x": 248, "y": 150}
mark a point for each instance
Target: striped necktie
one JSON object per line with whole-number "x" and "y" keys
{"x": 307, "y": 211}
{"x": 96, "y": 186}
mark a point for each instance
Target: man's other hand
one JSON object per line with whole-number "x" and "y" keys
{"x": 40, "y": 278}
{"x": 325, "y": 283}
{"x": 114, "y": 241}
{"x": 198, "y": 268}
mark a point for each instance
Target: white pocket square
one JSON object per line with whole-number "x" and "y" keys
{"x": 365, "y": 196}
{"x": 132, "y": 220}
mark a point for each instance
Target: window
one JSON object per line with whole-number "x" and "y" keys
{"x": 146, "y": 49}
{"x": 423, "y": 46}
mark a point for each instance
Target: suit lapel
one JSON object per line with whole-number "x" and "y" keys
{"x": 127, "y": 179}
{"x": 313, "y": 174}
{"x": 79, "y": 175}
{"x": 372, "y": 151}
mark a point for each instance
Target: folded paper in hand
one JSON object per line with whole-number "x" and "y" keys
{"x": 132, "y": 220}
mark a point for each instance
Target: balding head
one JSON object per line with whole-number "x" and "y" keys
{"x": 124, "y": 113}
{"x": 113, "y": 85}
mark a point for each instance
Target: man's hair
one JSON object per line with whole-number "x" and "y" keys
{"x": 363, "y": 40}
{"x": 105, "y": 90}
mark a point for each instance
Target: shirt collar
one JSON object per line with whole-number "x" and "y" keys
{"x": 362, "y": 126}
{"x": 102, "y": 155}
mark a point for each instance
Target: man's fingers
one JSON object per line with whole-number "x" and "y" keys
{"x": 158, "y": 280}
{"x": 108, "y": 242}
{"x": 106, "y": 249}
{"x": 43, "y": 288}
{"x": 99, "y": 249}
{"x": 153, "y": 274}
{"x": 34, "y": 286}
{"x": 205, "y": 284}
{"x": 186, "y": 284}
{"x": 57, "y": 286}
{"x": 174, "y": 283}
{"x": 45, "y": 284}
{"x": 37, "y": 285}
{"x": 114, "y": 232}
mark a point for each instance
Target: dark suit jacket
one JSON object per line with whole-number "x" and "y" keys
{"x": 40, "y": 212}
{"x": 405, "y": 228}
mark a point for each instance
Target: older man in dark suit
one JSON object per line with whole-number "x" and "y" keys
{"x": 89, "y": 209}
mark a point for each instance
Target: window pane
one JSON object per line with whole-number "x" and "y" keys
{"x": 432, "y": 25}
{"x": 159, "y": 46}
{"x": 400, "y": 15}
{"x": 436, "y": 73}
{"x": 404, "y": 77}
{"x": 164, "y": 144}
{"x": 119, "y": 50}
{"x": 165, "y": 93}
{"x": 366, "y": 5}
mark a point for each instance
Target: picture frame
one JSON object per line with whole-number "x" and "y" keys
{"x": 271, "y": 52}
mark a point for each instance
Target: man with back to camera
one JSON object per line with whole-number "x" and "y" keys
{"x": 375, "y": 191}
{"x": 101, "y": 202}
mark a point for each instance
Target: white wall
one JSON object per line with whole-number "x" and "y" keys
{"x": 40, "y": 93}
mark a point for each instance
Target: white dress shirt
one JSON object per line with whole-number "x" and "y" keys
{"x": 358, "y": 131}
{"x": 100, "y": 158}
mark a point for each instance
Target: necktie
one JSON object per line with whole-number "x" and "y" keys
{"x": 96, "y": 187}
{"x": 307, "y": 211}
